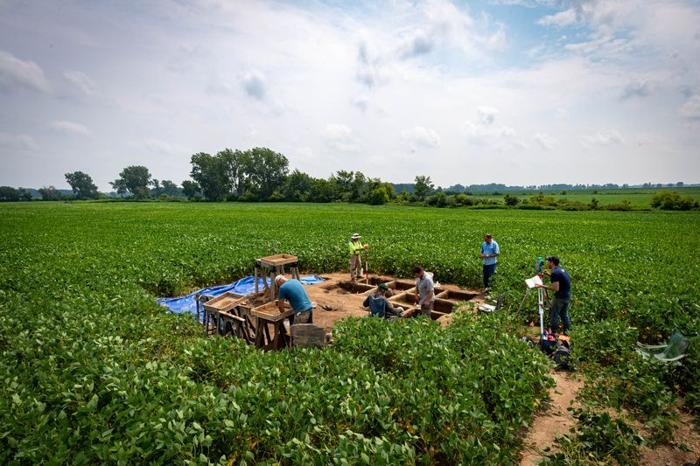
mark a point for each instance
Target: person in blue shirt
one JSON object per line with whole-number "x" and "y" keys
{"x": 489, "y": 255}
{"x": 294, "y": 292}
{"x": 561, "y": 285}
{"x": 379, "y": 305}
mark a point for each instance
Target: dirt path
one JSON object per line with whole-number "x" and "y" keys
{"x": 555, "y": 420}
{"x": 673, "y": 454}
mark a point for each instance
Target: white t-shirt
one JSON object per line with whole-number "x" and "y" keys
{"x": 425, "y": 287}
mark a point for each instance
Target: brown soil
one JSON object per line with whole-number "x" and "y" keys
{"x": 554, "y": 420}
{"x": 337, "y": 302}
{"x": 671, "y": 454}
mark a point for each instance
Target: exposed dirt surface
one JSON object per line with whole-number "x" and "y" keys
{"x": 554, "y": 420}
{"x": 687, "y": 435}
{"x": 334, "y": 302}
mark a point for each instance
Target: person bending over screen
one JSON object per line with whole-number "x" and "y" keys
{"x": 294, "y": 292}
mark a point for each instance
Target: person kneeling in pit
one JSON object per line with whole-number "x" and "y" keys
{"x": 379, "y": 305}
{"x": 294, "y": 292}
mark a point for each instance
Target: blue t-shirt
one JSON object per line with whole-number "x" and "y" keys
{"x": 376, "y": 304}
{"x": 492, "y": 248}
{"x": 294, "y": 292}
{"x": 562, "y": 276}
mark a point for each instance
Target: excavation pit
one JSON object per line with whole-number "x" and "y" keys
{"x": 401, "y": 285}
{"x": 256, "y": 318}
{"x": 404, "y": 299}
{"x": 457, "y": 295}
{"x": 348, "y": 287}
{"x": 443, "y": 306}
{"x": 379, "y": 280}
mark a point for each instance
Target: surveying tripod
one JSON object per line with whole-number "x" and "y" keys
{"x": 541, "y": 295}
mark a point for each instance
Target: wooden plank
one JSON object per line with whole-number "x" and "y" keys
{"x": 265, "y": 316}
{"x": 259, "y": 335}
{"x": 228, "y": 315}
{"x": 225, "y": 302}
{"x": 278, "y": 260}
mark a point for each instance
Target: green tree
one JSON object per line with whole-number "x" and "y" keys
{"x": 671, "y": 200}
{"x": 50, "y": 193}
{"x": 211, "y": 176}
{"x": 82, "y": 185}
{"x": 8, "y": 194}
{"x": 342, "y": 181}
{"x": 323, "y": 190}
{"x": 190, "y": 189}
{"x": 439, "y": 199}
{"x": 511, "y": 201}
{"x": 378, "y": 195}
{"x": 134, "y": 180}
{"x": 298, "y": 187}
{"x": 170, "y": 188}
{"x": 234, "y": 164}
{"x": 265, "y": 171}
{"x": 423, "y": 187}
{"x": 157, "y": 190}
{"x": 359, "y": 188}
{"x": 24, "y": 194}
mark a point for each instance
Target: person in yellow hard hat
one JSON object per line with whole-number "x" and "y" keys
{"x": 355, "y": 247}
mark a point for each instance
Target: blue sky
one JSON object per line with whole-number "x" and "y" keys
{"x": 513, "y": 91}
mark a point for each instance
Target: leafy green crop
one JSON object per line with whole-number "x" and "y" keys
{"x": 93, "y": 371}
{"x": 597, "y": 439}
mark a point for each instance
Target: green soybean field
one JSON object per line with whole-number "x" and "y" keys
{"x": 94, "y": 371}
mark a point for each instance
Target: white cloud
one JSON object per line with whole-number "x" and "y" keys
{"x": 636, "y": 89}
{"x": 340, "y": 137}
{"x": 487, "y": 115}
{"x": 480, "y": 131}
{"x": 81, "y": 81}
{"x": 497, "y": 40}
{"x": 18, "y": 73}
{"x": 691, "y": 108}
{"x": 70, "y": 127}
{"x": 419, "y": 44}
{"x": 372, "y": 67}
{"x": 560, "y": 19}
{"x": 420, "y": 137}
{"x": 17, "y": 141}
{"x": 544, "y": 140}
{"x": 374, "y": 73}
{"x": 604, "y": 138}
{"x": 633, "y": 30}
{"x": 254, "y": 84}
{"x": 163, "y": 147}
{"x": 361, "y": 102}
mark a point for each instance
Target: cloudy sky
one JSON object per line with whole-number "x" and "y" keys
{"x": 512, "y": 91}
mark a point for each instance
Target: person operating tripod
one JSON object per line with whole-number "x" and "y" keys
{"x": 561, "y": 285}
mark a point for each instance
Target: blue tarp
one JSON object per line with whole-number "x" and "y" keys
{"x": 244, "y": 286}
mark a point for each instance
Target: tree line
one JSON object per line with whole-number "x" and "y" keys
{"x": 261, "y": 174}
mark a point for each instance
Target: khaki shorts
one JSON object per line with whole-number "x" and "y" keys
{"x": 355, "y": 265}
{"x": 426, "y": 308}
{"x": 305, "y": 317}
